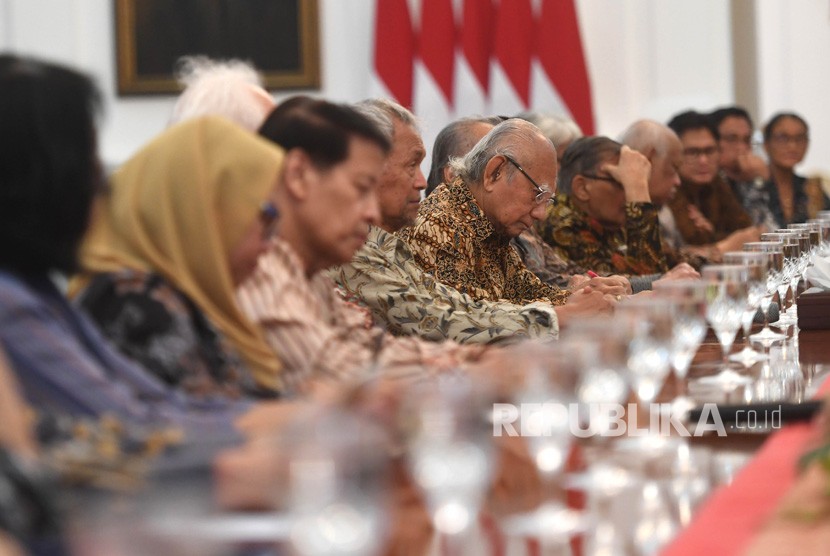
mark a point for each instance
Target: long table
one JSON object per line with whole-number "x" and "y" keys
{"x": 745, "y": 516}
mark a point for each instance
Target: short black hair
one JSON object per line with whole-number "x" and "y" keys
{"x": 320, "y": 128}
{"x": 692, "y": 120}
{"x": 717, "y": 116}
{"x": 49, "y": 168}
{"x": 770, "y": 127}
{"x": 452, "y": 141}
{"x": 583, "y": 156}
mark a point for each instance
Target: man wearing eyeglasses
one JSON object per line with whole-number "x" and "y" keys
{"x": 705, "y": 209}
{"x": 743, "y": 170}
{"x": 605, "y": 219}
{"x": 463, "y": 230}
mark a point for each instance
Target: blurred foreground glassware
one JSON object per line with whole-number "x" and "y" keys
{"x": 338, "y": 464}
{"x": 449, "y": 451}
{"x": 649, "y": 354}
{"x": 549, "y": 418}
{"x": 605, "y": 380}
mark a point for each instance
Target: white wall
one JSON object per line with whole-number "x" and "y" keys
{"x": 647, "y": 58}
{"x": 794, "y": 69}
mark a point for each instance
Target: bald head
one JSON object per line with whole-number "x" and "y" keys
{"x": 663, "y": 149}
{"x": 456, "y": 140}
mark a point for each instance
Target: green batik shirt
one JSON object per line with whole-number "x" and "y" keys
{"x": 384, "y": 277}
{"x": 632, "y": 250}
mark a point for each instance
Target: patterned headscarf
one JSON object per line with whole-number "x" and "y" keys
{"x": 178, "y": 208}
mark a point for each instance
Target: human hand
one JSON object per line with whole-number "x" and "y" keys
{"x": 700, "y": 221}
{"x": 735, "y": 241}
{"x": 613, "y": 285}
{"x": 752, "y": 166}
{"x": 632, "y": 171}
{"x": 682, "y": 271}
{"x": 586, "y": 302}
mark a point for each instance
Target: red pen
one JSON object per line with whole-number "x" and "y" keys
{"x": 592, "y": 274}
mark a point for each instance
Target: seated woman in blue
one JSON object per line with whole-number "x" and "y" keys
{"x": 49, "y": 176}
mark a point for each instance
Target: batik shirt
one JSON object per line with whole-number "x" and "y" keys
{"x": 453, "y": 240}
{"x": 543, "y": 260}
{"x": 634, "y": 249}
{"x": 755, "y": 198}
{"x": 717, "y": 203}
{"x": 159, "y": 327}
{"x": 384, "y": 277}
{"x": 808, "y": 199}
{"x": 318, "y": 335}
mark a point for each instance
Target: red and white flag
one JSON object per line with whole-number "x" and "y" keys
{"x": 561, "y": 57}
{"x": 435, "y": 67}
{"x": 512, "y": 54}
{"x": 472, "y": 79}
{"x": 394, "y": 51}
{"x": 467, "y": 57}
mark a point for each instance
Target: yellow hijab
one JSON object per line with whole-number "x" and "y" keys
{"x": 178, "y": 208}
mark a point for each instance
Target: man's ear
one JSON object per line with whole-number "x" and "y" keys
{"x": 493, "y": 172}
{"x": 446, "y": 174}
{"x": 296, "y": 168}
{"x": 579, "y": 189}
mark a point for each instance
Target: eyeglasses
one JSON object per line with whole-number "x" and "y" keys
{"x": 609, "y": 179}
{"x": 543, "y": 194}
{"x": 784, "y": 139}
{"x": 734, "y": 139}
{"x": 268, "y": 216}
{"x": 694, "y": 152}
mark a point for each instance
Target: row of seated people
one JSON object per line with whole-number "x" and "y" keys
{"x": 206, "y": 261}
{"x": 240, "y": 265}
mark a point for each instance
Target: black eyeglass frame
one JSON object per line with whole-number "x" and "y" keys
{"x": 609, "y": 179}
{"x": 540, "y": 191}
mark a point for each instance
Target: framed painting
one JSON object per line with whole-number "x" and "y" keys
{"x": 280, "y": 37}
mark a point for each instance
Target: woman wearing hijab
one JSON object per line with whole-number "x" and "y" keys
{"x": 182, "y": 225}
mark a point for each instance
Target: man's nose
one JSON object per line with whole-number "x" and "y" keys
{"x": 539, "y": 211}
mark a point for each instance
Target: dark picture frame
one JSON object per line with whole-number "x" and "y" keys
{"x": 280, "y": 37}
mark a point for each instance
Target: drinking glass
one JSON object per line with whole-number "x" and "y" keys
{"x": 801, "y": 263}
{"x": 604, "y": 382}
{"x": 337, "y": 465}
{"x": 549, "y": 417}
{"x": 824, "y": 228}
{"x": 651, "y": 319}
{"x": 449, "y": 445}
{"x": 689, "y": 300}
{"x": 791, "y": 250}
{"x": 726, "y": 302}
{"x": 775, "y": 254}
{"x": 758, "y": 264}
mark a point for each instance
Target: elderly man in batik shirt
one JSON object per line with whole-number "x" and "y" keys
{"x": 384, "y": 276}
{"x": 604, "y": 218}
{"x": 457, "y": 139}
{"x": 463, "y": 230}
